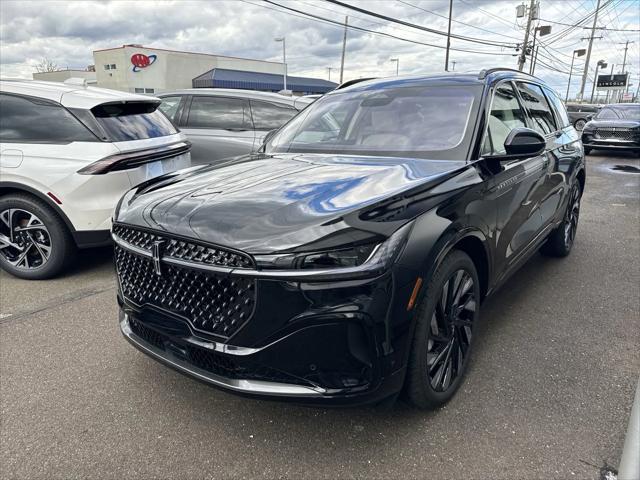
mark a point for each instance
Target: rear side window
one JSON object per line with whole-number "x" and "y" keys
{"x": 132, "y": 121}
{"x": 267, "y": 116}
{"x": 219, "y": 113}
{"x": 30, "y": 120}
{"x": 539, "y": 110}
{"x": 169, "y": 106}
{"x": 558, "y": 108}
{"x": 505, "y": 115}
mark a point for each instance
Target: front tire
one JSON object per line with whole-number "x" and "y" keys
{"x": 446, "y": 317}
{"x": 35, "y": 244}
{"x": 561, "y": 240}
{"x": 580, "y": 123}
{"x": 587, "y": 150}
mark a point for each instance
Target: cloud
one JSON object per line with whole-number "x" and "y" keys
{"x": 68, "y": 32}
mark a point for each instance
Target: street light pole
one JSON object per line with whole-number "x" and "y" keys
{"x": 284, "y": 57}
{"x": 397, "y": 61}
{"x": 580, "y": 53}
{"x": 586, "y": 62}
{"x": 600, "y": 64}
{"x": 329, "y": 70}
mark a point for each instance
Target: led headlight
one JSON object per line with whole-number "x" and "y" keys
{"x": 362, "y": 261}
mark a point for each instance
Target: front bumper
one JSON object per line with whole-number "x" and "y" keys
{"x": 275, "y": 371}
{"x": 589, "y": 141}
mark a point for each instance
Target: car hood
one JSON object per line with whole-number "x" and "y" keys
{"x": 264, "y": 203}
{"x": 612, "y": 124}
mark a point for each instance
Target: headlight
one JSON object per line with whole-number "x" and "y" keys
{"x": 350, "y": 257}
{"x": 367, "y": 260}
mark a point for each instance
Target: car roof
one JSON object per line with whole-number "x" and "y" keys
{"x": 439, "y": 78}
{"x": 236, "y": 92}
{"x": 70, "y": 94}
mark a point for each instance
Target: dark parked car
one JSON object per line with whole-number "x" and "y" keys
{"x": 615, "y": 127}
{"x": 581, "y": 113}
{"x": 348, "y": 260}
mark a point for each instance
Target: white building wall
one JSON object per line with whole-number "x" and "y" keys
{"x": 62, "y": 75}
{"x": 171, "y": 70}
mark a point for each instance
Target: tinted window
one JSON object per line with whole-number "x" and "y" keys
{"x": 558, "y": 108}
{"x": 505, "y": 115}
{"x": 31, "y": 120}
{"x": 267, "y": 116}
{"x": 219, "y": 112}
{"x": 539, "y": 110}
{"x": 132, "y": 121}
{"x": 169, "y": 106}
{"x": 423, "y": 122}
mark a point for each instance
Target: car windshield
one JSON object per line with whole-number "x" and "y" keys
{"x": 421, "y": 122}
{"x": 626, "y": 112}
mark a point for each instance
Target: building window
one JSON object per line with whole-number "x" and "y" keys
{"x": 149, "y": 90}
{"x": 113, "y": 66}
{"x": 139, "y": 90}
{"x": 107, "y": 67}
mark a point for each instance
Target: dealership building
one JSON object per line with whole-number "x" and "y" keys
{"x": 138, "y": 69}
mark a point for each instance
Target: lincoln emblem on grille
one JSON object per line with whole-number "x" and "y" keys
{"x": 156, "y": 251}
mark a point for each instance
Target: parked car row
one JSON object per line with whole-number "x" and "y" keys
{"x": 335, "y": 252}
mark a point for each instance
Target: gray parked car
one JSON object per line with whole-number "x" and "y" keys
{"x": 224, "y": 123}
{"x": 581, "y": 113}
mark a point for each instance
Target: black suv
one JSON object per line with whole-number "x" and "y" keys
{"x": 348, "y": 260}
{"x": 615, "y": 127}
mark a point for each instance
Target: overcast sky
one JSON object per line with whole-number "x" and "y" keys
{"x": 68, "y": 32}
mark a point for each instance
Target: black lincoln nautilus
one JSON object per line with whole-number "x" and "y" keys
{"x": 346, "y": 262}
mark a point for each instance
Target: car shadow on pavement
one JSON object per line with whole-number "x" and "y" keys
{"x": 88, "y": 260}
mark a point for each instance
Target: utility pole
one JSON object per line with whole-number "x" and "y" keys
{"x": 586, "y": 61}
{"x": 446, "y": 58}
{"x": 523, "y": 54}
{"x": 329, "y": 70}
{"x": 453, "y": 62}
{"x": 624, "y": 63}
{"x": 344, "y": 47}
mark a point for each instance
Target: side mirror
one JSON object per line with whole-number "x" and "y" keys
{"x": 267, "y": 138}
{"x": 524, "y": 142}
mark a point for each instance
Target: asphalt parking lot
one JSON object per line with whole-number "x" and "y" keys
{"x": 548, "y": 394}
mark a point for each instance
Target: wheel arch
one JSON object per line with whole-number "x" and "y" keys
{"x": 7, "y": 188}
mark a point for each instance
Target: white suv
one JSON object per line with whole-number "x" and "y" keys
{"x": 67, "y": 154}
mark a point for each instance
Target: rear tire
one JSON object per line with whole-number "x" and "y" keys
{"x": 561, "y": 240}
{"x": 445, "y": 319}
{"x": 35, "y": 244}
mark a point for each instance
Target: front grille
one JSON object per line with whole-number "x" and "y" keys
{"x": 211, "y": 302}
{"x": 183, "y": 249}
{"x": 613, "y": 133}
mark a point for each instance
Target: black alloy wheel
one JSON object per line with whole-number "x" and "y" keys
{"x": 446, "y": 318}
{"x": 34, "y": 241}
{"x": 25, "y": 242}
{"x": 561, "y": 240}
{"x": 571, "y": 218}
{"x": 450, "y": 332}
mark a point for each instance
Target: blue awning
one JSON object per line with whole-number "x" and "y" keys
{"x": 223, "y": 78}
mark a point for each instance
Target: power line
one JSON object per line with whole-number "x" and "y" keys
{"x": 362, "y": 29}
{"x": 419, "y": 27}
{"x": 597, "y": 28}
{"x": 457, "y": 21}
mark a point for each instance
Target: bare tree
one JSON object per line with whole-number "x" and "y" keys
{"x": 46, "y": 65}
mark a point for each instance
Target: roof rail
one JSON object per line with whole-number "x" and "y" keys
{"x": 485, "y": 72}
{"x": 348, "y": 83}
